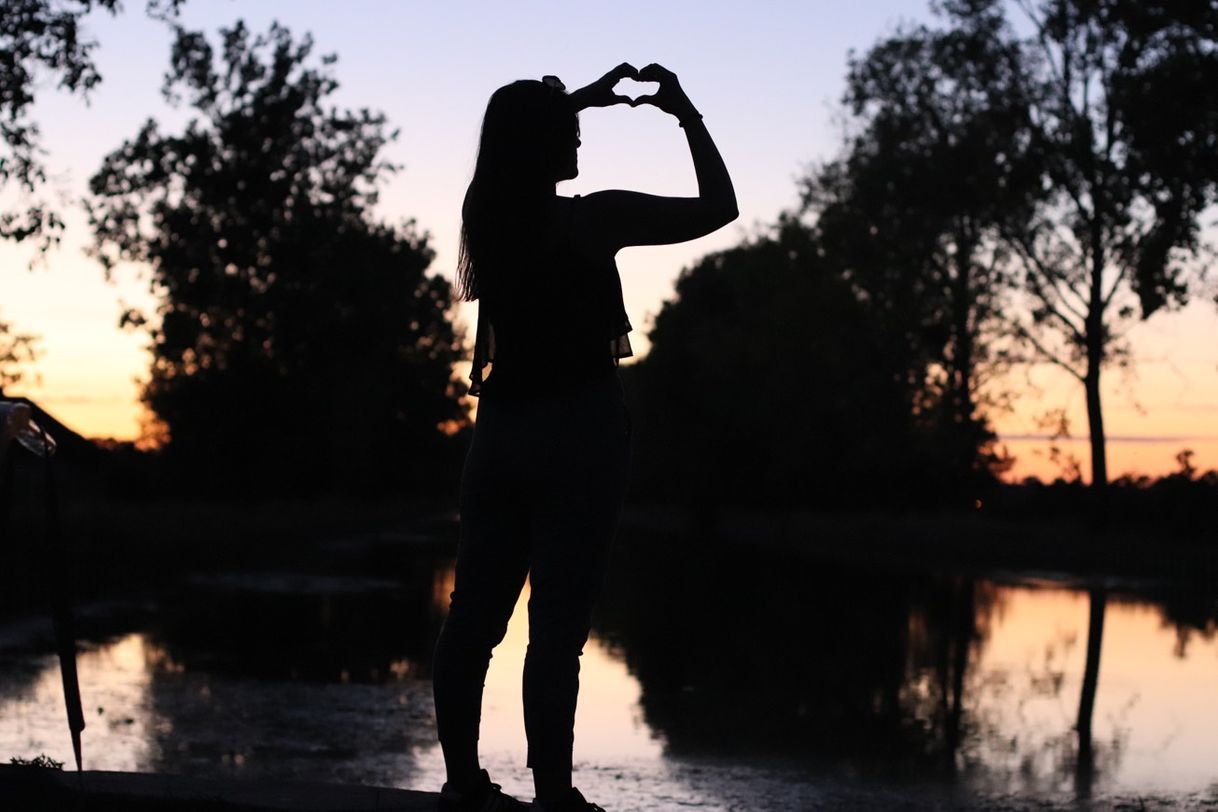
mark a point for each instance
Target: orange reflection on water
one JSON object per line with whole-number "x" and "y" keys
{"x": 1155, "y": 714}
{"x": 609, "y": 726}
{"x": 602, "y": 730}
{"x": 119, "y": 722}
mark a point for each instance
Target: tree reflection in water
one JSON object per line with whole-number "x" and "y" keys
{"x": 779, "y": 656}
{"x": 869, "y": 671}
{"x": 1084, "y": 768}
{"x": 300, "y": 675}
{"x": 758, "y": 659}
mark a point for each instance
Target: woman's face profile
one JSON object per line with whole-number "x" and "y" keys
{"x": 568, "y": 163}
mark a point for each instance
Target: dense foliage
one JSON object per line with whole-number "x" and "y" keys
{"x": 769, "y": 381}
{"x": 907, "y": 216}
{"x": 1122, "y": 99}
{"x": 1062, "y": 174}
{"x": 1001, "y": 198}
{"x": 298, "y": 342}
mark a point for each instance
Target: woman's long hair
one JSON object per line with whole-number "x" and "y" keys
{"x": 527, "y": 133}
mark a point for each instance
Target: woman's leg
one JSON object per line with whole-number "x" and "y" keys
{"x": 572, "y": 532}
{"x": 492, "y": 562}
{"x": 565, "y": 581}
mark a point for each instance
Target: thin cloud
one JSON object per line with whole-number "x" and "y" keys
{"x": 78, "y": 400}
{"x": 1113, "y": 439}
{"x": 1205, "y": 408}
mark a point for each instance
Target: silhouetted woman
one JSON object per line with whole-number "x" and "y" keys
{"x": 545, "y": 475}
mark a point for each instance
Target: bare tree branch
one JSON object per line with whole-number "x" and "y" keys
{"x": 1045, "y": 353}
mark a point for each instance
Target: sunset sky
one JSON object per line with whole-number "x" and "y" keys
{"x": 767, "y": 76}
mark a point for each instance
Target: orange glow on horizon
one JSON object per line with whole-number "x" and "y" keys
{"x": 1152, "y": 457}
{"x": 113, "y": 421}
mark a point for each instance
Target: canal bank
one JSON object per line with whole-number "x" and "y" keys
{"x": 46, "y": 790}
{"x": 31, "y": 789}
{"x": 904, "y": 681}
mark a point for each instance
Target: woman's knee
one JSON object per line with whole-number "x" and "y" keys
{"x": 558, "y": 635}
{"x": 474, "y": 625}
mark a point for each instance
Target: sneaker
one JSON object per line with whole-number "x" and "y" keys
{"x": 486, "y": 797}
{"x": 575, "y": 802}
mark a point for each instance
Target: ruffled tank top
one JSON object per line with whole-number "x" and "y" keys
{"x": 553, "y": 323}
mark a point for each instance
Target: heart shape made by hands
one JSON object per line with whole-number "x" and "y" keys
{"x": 632, "y": 89}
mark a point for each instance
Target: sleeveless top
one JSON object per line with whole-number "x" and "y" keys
{"x": 555, "y": 323}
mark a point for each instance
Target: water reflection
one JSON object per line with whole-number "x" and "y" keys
{"x": 611, "y": 738}
{"x": 117, "y": 675}
{"x": 901, "y": 675}
{"x": 299, "y": 675}
{"x": 784, "y": 674}
{"x": 293, "y": 626}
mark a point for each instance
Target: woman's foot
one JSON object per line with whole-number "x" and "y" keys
{"x": 483, "y": 796}
{"x": 574, "y": 802}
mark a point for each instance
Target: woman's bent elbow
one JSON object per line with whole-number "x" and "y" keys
{"x": 729, "y": 214}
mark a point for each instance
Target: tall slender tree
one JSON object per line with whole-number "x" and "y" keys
{"x": 1075, "y": 162}
{"x": 1122, "y": 102}
{"x": 936, "y": 160}
{"x": 1116, "y": 105}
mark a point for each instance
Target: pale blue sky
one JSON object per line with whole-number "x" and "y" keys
{"x": 766, "y": 75}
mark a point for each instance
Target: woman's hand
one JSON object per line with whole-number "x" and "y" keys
{"x": 670, "y": 97}
{"x": 600, "y": 93}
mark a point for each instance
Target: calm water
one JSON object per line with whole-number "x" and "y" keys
{"x": 716, "y": 679}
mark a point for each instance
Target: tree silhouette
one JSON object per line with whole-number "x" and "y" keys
{"x": 1120, "y": 99}
{"x": 875, "y": 663}
{"x": 1076, "y": 163}
{"x": 1085, "y": 765}
{"x": 935, "y": 162}
{"x": 297, "y": 341}
{"x": 769, "y": 382}
{"x": 39, "y": 38}
{"x": 37, "y": 35}
{"x": 16, "y": 350}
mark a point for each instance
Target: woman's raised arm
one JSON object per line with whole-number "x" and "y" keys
{"x": 632, "y": 218}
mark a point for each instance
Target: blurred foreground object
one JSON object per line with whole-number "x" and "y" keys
{"x": 16, "y": 424}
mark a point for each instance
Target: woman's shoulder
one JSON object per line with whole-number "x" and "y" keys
{"x": 567, "y": 210}
{"x": 600, "y": 199}
{"x": 583, "y": 224}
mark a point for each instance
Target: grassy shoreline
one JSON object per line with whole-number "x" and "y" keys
{"x": 125, "y": 547}
{"x": 117, "y": 547}
{"x": 949, "y": 540}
